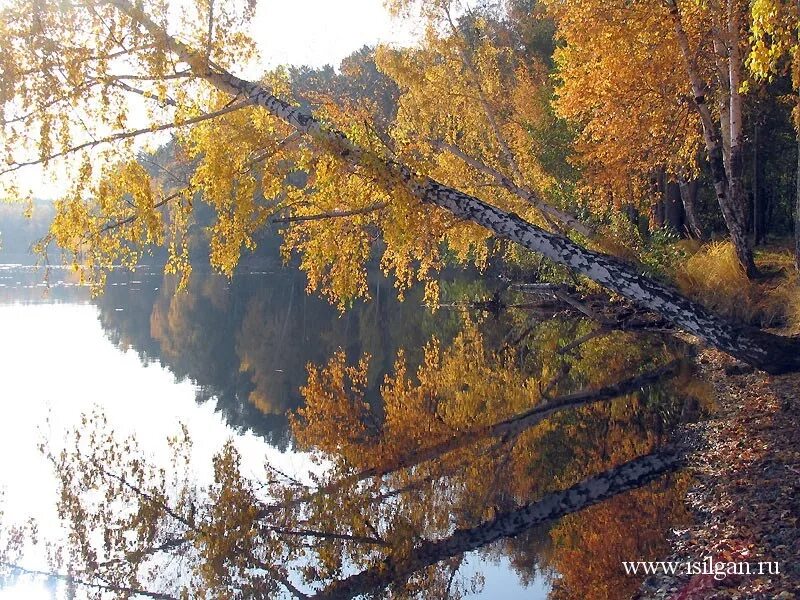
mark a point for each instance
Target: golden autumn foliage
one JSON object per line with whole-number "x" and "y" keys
{"x": 775, "y": 45}
{"x": 638, "y": 117}
{"x": 589, "y": 548}
{"x": 391, "y": 476}
{"x": 475, "y": 91}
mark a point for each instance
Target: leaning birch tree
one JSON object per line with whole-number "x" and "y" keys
{"x": 68, "y": 69}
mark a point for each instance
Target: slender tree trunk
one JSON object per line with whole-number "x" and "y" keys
{"x": 766, "y": 351}
{"x": 657, "y": 204}
{"x": 397, "y": 569}
{"x": 673, "y": 208}
{"x": 550, "y": 212}
{"x": 797, "y": 204}
{"x": 759, "y": 232}
{"x": 737, "y": 193}
{"x": 729, "y": 192}
{"x": 796, "y": 81}
{"x": 723, "y": 103}
{"x": 688, "y": 191}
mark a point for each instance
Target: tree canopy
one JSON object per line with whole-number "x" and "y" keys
{"x": 71, "y": 67}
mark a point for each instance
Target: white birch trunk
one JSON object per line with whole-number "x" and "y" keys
{"x": 721, "y": 60}
{"x": 766, "y": 351}
{"x": 730, "y": 198}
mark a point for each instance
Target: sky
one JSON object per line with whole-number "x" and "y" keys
{"x": 319, "y": 32}
{"x": 57, "y": 363}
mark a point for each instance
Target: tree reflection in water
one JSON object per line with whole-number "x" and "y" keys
{"x": 464, "y": 442}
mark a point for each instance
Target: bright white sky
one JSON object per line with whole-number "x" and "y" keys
{"x": 319, "y": 32}
{"x": 57, "y": 363}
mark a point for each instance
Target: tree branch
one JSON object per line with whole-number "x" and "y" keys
{"x": 548, "y": 211}
{"x": 590, "y": 491}
{"x": 70, "y": 579}
{"x": 144, "y": 93}
{"x": 124, "y": 135}
{"x": 334, "y": 214}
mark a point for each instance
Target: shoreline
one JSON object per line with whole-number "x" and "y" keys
{"x": 745, "y": 495}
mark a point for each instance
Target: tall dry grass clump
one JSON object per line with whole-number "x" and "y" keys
{"x": 785, "y": 297}
{"x": 713, "y": 276}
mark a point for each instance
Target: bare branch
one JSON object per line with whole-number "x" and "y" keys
{"x": 548, "y": 211}
{"x": 71, "y": 579}
{"x": 124, "y": 135}
{"x": 149, "y": 95}
{"x": 329, "y": 535}
{"x": 335, "y": 214}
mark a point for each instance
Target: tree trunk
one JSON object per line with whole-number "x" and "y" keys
{"x": 796, "y": 82}
{"x": 508, "y": 428}
{"x": 723, "y": 103}
{"x": 797, "y": 204}
{"x": 759, "y": 229}
{"x": 688, "y": 191}
{"x": 657, "y": 204}
{"x": 591, "y": 491}
{"x": 673, "y": 208}
{"x": 763, "y": 350}
{"x": 737, "y": 195}
{"x": 729, "y": 192}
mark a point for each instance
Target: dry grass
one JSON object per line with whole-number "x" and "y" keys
{"x": 786, "y": 298}
{"x": 713, "y": 276}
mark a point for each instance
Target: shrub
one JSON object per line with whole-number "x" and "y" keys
{"x": 713, "y": 276}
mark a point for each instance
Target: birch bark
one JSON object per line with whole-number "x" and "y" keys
{"x": 771, "y": 353}
{"x": 728, "y": 185}
{"x": 593, "y": 490}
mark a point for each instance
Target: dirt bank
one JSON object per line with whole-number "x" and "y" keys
{"x": 745, "y": 499}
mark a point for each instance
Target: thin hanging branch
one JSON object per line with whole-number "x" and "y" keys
{"x": 124, "y": 135}
{"x": 334, "y": 214}
{"x": 769, "y": 352}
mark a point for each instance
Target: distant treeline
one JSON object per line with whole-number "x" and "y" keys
{"x": 20, "y": 231}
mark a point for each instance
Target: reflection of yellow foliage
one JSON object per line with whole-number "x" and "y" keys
{"x": 261, "y": 348}
{"x": 216, "y": 289}
{"x": 456, "y": 389}
{"x": 589, "y": 547}
{"x": 335, "y": 416}
{"x": 172, "y": 318}
{"x": 262, "y": 402}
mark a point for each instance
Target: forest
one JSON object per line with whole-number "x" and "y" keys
{"x": 585, "y": 216}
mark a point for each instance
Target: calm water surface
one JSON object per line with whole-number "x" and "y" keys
{"x": 152, "y": 360}
{"x": 227, "y": 359}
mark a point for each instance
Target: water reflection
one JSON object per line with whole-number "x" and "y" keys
{"x": 426, "y": 425}
{"x": 246, "y": 342}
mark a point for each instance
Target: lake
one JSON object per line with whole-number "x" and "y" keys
{"x": 228, "y": 359}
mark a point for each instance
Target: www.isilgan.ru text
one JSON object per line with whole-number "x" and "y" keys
{"x": 708, "y": 566}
